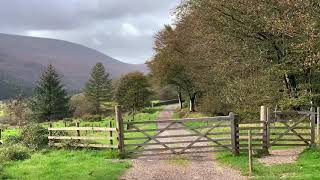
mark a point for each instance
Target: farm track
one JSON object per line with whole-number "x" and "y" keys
{"x": 178, "y": 167}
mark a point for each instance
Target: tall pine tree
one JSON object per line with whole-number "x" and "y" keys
{"x": 51, "y": 100}
{"x": 98, "y": 89}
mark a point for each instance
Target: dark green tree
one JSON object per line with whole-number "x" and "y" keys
{"x": 133, "y": 91}
{"x": 51, "y": 100}
{"x": 99, "y": 87}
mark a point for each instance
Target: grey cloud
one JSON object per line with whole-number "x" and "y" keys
{"x": 123, "y": 29}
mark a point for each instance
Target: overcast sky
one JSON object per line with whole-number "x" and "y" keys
{"x": 122, "y": 29}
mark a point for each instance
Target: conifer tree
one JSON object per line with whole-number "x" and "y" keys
{"x": 51, "y": 100}
{"x": 98, "y": 89}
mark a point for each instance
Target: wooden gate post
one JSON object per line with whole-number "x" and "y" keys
{"x": 264, "y": 118}
{"x": 120, "y": 129}
{"x": 234, "y": 133}
{"x": 318, "y": 125}
{"x": 312, "y": 126}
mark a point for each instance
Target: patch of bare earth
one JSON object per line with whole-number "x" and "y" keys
{"x": 281, "y": 156}
{"x": 200, "y": 166}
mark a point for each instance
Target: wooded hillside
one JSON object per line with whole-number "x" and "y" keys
{"x": 237, "y": 55}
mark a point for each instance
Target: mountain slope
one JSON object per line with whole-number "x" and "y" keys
{"x": 23, "y": 58}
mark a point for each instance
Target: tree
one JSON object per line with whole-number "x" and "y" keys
{"x": 276, "y": 36}
{"x": 133, "y": 91}
{"x": 17, "y": 108}
{"x": 51, "y": 100}
{"x": 170, "y": 65}
{"x": 238, "y": 55}
{"x": 99, "y": 87}
{"x": 81, "y": 105}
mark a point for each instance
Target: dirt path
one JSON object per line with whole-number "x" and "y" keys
{"x": 178, "y": 167}
{"x": 282, "y": 156}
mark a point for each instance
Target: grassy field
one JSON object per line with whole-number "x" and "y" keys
{"x": 306, "y": 167}
{"x": 66, "y": 164}
{"x": 75, "y": 164}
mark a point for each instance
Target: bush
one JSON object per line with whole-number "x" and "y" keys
{"x": 13, "y": 139}
{"x": 35, "y": 136}
{"x": 67, "y": 120}
{"x": 92, "y": 118}
{"x": 14, "y": 153}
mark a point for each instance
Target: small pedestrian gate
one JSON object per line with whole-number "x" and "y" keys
{"x": 181, "y": 136}
{"x": 292, "y": 128}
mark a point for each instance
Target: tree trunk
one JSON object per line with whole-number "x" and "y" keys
{"x": 98, "y": 107}
{"x": 290, "y": 83}
{"x": 180, "y": 99}
{"x": 193, "y": 103}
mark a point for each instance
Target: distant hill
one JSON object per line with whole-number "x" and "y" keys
{"x": 22, "y": 59}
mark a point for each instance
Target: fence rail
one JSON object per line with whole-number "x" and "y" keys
{"x": 102, "y": 137}
{"x": 214, "y": 134}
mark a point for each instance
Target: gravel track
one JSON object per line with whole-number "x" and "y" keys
{"x": 282, "y": 156}
{"x": 200, "y": 166}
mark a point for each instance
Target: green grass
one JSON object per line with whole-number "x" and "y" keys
{"x": 306, "y": 167}
{"x": 144, "y": 115}
{"x": 81, "y": 164}
{"x": 10, "y": 132}
{"x": 63, "y": 164}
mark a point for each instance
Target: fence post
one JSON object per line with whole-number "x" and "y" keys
{"x": 110, "y": 133}
{"x": 78, "y": 131}
{"x": 265, "y": 137}
{"x": 234, "y": 133}
{"x": 120, "y": 129}
{"x": 50, "y": 133}
{"x": 318, "y": 125}
{"x": 250, "y": 151}
{"x": 312, "y": 125}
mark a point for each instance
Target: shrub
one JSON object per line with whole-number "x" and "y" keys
{"x": 67, "y": 120}
{"x": 92, "y": 118}
{"x": 13, "y": 139}
{"x": 72, "y": 124}
{"x": 14, "y": 152}
{"x": 35, "y": 136}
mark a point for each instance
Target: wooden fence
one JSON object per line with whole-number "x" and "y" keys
{"x": 97, "y": 137}
{"x": 196, "y": 135}
{"x": 280, "y": 128}
{"x": 216, "y": 135}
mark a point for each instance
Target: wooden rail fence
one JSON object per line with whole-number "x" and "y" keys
{"x": 196, "y": 135}
{"x": 101, "y": 137}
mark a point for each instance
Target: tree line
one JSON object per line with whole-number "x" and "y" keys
{"x": 237, "y": 55}
{"x": 51, "y": 101}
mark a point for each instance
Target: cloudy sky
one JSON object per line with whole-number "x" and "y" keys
{"x": 123, "y": 29}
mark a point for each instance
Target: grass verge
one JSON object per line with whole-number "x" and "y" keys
{"x": 66, "y": 164}
{"x": 306, "y": 167}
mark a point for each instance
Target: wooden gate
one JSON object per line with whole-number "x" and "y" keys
{"x": 292, "y": 128}
{"x": 181, "y": 136}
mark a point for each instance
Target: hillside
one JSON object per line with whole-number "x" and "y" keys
{"x": 23, "y": 58}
